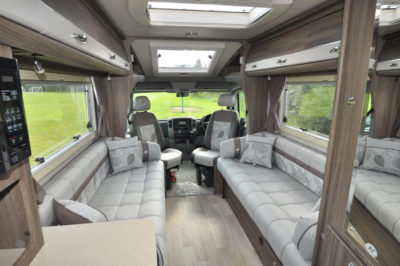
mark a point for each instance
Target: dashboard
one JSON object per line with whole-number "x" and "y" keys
{"x": 182, "y": 128}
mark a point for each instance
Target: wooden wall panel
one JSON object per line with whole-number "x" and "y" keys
{"x": 386, "y": 95}
{"x": 89, "y": 17}
{"x": 357, "y": 33}
{"x": 324, "y": 30}
{"x": 256, "y": 92}
{"x": 21, "y": 173}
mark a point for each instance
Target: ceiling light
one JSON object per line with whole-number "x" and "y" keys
{"x": 37, "y": 66}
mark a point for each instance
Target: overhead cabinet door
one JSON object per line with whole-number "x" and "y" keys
{"x": 318, "y": 53}
{"x": 38, "y": 16}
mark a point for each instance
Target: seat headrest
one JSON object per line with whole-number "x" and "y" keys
{"x": 141, "y": 103}
{"x": 226, "y": 100}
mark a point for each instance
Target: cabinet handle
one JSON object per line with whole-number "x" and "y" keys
{"x": 281, "y": 61}
{"x": 80, "y": 37}
{"x": 253, "y": 66}
{"x": 393, "y": 65}
{"x": 335, "y": 49}
{"x": 112, "y": 57}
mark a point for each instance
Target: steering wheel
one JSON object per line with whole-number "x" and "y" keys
{"x": 204, "y": 121}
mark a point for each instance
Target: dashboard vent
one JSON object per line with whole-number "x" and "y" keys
{"x": 170, "y": 123}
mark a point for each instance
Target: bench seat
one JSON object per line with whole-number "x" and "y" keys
{"x": 134, "y": 194}
{"x": 276, "y": 198}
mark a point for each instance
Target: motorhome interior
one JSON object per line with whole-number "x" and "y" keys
{"x": 176, "y": 132}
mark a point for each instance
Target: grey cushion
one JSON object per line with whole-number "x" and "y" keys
{"x": 305, "y": 234}
{"x": 258, "y": 150}
{"x": 125, "y": 154}
{"x": 360, "y": 151}
{"x": 382, "y": 155}
{"x": 73, "y": 212}
{"x": 171, "y": 158}
{"x": 226, "y": 100}
{"x": 380, "y": 194}
{"x": 272, "y": 198}
{"x": 205, "y": 157}
{"x": 141, "y": 103}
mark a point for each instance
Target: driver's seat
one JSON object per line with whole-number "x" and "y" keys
{"x": 146, "y": 127}
{"x": 223, "y": 125}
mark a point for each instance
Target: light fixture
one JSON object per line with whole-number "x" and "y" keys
{"x": 108, "y": 77}
{"x": 37, "y": 66}
{"x": 191, "y": 34}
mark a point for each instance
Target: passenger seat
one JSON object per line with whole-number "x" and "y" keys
{"x": 223, "y": 125}
{"x": 146, "y": 127}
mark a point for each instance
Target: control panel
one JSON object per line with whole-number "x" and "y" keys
{"x": 14, "y": 139}
{"x": 182, "y": 127}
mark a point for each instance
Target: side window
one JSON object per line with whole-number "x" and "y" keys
{"x": 57, "y": 114}
{"x": 242, "y": 104}
{"x": 308, "y": 106}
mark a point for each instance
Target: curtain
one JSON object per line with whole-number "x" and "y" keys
{"x": 103, "y": 125}
{"x": 275, "y": 87}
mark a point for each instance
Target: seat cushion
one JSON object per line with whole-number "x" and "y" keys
{"x": 205, "y": 157}
{"x": 135, "y": 194}
{"x": 380, "y": 194}
{"x": 273, "y": 199}
{"x": 171, "y": 158}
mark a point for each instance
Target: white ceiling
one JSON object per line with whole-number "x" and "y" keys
{"x": 118, "y": 12}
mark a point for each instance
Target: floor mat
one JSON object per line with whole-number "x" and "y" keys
{"x": 186, "y": 184}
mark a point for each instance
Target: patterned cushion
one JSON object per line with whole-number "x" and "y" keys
{"x": 383, "y": 156}
{"x": 148, "y": 133}
{"x": 220, "y": 133}
{"x": 258, "y": 150}
{"x": 125, "y": 154}
{"x": 361, "y": 145}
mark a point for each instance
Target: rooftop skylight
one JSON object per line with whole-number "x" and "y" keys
{"x": 184, "y": 61}
{"x": 199, "y": 7}
{"x": 203, "y": 15}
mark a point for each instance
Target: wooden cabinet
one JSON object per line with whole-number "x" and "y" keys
{"x": 318, "y": 53}
{"x": 39, "y": 17}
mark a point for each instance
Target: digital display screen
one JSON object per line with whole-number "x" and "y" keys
{"x": 7, "y": 78}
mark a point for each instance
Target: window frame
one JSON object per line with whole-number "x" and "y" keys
{"x": 59, "y": 158}
{"x": 318, "y": 141}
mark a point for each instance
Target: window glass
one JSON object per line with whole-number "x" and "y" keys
{"x": 190, "y": 61}
{"x": 242, "y": 104}
{"x": 308, "y": 106}
{"x": 198, "y": 104}
{"x": 55, "y": 112}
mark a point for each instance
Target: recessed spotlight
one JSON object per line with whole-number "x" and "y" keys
{"x": 191, "y": 34}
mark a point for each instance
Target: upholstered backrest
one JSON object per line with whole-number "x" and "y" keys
{"x": 145, "y": 124}
{"x": 80, "y": 179}
{"x": 303, "y": 163}
{"x": 223, "y": 124}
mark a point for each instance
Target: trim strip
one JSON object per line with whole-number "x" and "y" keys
{"x": 300, "y": 163}
{"x": 145, "y": 149}
{"x": 237, "y": 148}
{"x": 90, "y": 177}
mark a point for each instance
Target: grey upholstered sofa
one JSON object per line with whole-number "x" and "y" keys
{"x": 276, "y": 198}
{"x": 133, "y": 194}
